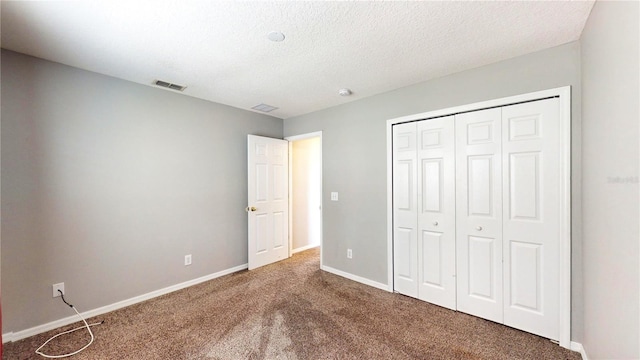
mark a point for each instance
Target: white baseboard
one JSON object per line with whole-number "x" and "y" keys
{"x": 18, "y": 335}
{"x": 303, "y": 248}
{"x": 356, "y": 278}
{"x": 575, "y": 346}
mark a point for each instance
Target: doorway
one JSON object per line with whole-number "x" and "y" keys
{"x": 305, "y": 192}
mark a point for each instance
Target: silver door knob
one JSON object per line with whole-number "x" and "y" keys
{"x": 479, "y": 228}
{"x": 435, "y": 223}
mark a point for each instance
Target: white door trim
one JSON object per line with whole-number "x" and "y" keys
{"x": 291, "y": 139}
{"x": 564, "y": 95}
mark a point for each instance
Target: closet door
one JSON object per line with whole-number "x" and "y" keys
{"x": 436, "y": 211}
{"x": 531, "y": 206}
{"x": 479, "y": 213}
{"x": 405, "y": 213}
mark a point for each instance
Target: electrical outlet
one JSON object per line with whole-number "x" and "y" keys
{"x": 187, "y": 260}
{"x": 334, "y": 196}
{"x": 56, "y": 287}
{"x": 349, "y": 254}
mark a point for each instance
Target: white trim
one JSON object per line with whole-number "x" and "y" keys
{"x": 15, "y": 336}
{"x": 290, "y": 197}
{"x": 303, "y": 248}
{"x": 304, "y": 136}
{"x": 564, "y": 254}
{"x": 481, "y": 105}
{"x": 356, "y": 278}
{"x": 290, "y": 139}
{"x": 576, "y": 346}
{"x": 390, "y": 206}
{"x": 564, "y": 94}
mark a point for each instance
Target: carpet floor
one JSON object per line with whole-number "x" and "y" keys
{"x": 291, "y": 310}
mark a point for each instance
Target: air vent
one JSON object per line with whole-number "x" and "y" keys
{"x": 169, "y": 85}
{"x": 264, "y": 108}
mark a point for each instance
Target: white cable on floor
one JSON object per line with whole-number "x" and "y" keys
{"x": 87, "y": 326}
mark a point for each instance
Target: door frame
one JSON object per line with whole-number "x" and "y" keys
{"x": 291, "y": 139}
{"x": 564, "y": 95}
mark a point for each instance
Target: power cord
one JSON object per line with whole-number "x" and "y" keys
{"x": 87, "y": 326}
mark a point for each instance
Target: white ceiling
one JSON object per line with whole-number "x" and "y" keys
{"x": 221, "y": 52}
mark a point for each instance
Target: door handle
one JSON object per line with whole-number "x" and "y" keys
{"x": 479, "y": 228}
{"x": 251, "y": 208}
{"x": 435, "y": 223}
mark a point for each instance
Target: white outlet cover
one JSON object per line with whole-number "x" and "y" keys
{"x": 56, "y": 287}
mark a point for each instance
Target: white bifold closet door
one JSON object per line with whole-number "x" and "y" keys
{"x": 405, "y": 209}
{"x": 531, "y": 216}
{"x": 436, "y": 212}
{"x": 507, "y": 215}
{"x": 424, "y": 210}
{"x": 479, "y": 213}
{"x": 476, "y": 208}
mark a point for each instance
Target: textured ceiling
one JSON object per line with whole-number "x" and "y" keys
{"x": 221, "y": 52}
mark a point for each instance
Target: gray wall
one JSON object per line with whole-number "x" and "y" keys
{"x": 354, "y": 154}
{"x": 107, "y": 184}
{"x": 610, "y": 73}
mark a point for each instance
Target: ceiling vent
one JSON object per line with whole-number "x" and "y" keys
{"x": 169, "y": 85}
{"x": 264, "y": 108}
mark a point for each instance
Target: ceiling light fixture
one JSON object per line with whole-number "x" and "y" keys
{"x": 344, "y": 92}
{"x": 275, "y": 36}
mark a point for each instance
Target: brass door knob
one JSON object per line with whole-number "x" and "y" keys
{"x": 251, "y": 208}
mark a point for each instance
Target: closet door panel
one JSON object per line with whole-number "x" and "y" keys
{"x": 482, "y": 252}
{"x": 405, "y": 210}
{"x": 531, "y": 216}
{"x": 436, "y": 211}
{"x": 479, "y": 213}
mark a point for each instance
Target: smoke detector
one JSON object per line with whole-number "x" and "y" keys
{"x": 275, "y": 36}
{"x": 344, "y": 92}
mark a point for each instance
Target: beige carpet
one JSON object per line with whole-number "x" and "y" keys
{"x": 292, "y": 310}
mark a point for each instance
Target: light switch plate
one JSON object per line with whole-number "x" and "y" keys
{"x": 334, "y": 196}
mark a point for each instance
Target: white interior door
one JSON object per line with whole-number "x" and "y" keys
{"x": 436, "y": 211}
{"x": 531, "y": 216}
{"x": 479, "y": 214}
{"x": 405, "y": 213}
{"x": 268, "y": 198}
